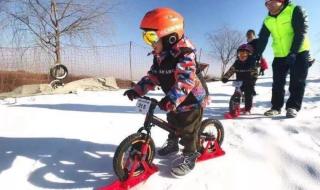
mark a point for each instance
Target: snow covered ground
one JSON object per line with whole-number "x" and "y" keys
{"x": 68, "y": 141}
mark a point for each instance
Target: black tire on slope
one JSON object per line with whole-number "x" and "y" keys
{"x": 56, "y": 83}
{"x": 59, "y": 71}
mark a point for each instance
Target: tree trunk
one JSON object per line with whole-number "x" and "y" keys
{"x": 55, "y": 21}
{"x": 58, "y": 48}
{"x": 223, "y": 69}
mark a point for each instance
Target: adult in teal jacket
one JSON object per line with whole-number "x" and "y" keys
{"x": 287, "y": 24}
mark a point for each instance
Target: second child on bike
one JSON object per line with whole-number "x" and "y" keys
{"x": 245, "y": 68}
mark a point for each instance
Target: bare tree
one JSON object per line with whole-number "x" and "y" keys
{"x": 54, "y": 22}
{"x": 1, "y": 14}
{"x": 224, "y": 43}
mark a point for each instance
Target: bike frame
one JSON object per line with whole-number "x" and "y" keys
{"x": 140, "y": 157}
{"x": 237, "y": 91}
{"x": 152, "y": 120}
{"x": 236, "y": 95}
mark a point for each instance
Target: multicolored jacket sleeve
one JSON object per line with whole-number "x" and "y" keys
{"x": 185, "y": 76}
{"x": 146, "y": 84}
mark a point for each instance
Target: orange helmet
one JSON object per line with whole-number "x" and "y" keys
{"x": 163, "y": 21}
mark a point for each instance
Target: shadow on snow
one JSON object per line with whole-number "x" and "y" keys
{"x": 76, "y": 163}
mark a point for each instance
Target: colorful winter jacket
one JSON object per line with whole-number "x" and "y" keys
{"x": 174, "y": 71}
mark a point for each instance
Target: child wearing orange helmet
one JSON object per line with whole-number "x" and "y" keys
{"x": 174, "y": 69}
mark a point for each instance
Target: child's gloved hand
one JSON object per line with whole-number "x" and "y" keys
{"x": 166, "y": 104}
{"x": 224, "y": 80}
{"x": 132, "y": 94}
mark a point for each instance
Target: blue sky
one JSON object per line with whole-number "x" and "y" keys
{"x": 203, "y": 16}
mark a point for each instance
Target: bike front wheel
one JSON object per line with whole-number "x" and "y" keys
{"x": 234, "y": 104}
{"x": 210, "y": 130}
{"x": 128, "y": 151}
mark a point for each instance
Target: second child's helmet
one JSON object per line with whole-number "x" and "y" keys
{"x": 245, "y": 47}
{"x": 165, "y": 23}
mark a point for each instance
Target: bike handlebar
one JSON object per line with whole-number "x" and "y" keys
{"x": 234, "y": 80}
{"x": 151, "y": 99}
{"x": 244, "y": 71}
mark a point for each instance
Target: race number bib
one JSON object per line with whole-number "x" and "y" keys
{"x": 143, "y": 106}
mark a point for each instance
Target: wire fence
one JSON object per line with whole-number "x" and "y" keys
{"x": 124, "y": 61}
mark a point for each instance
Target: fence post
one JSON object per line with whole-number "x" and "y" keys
{"x": 130, "y": 59}
{"x": 200, "y": 55}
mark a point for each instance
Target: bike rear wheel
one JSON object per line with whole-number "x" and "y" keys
{"x": 127, "y": 152}
{"x": 211, "y": 129}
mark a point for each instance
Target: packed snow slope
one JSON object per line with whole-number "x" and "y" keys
{"x": 68, "y": 142}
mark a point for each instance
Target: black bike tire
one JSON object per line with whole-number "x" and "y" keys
{"x": 118, "y": 168}
{"x": 219, "y": 127}
{"x": 232, "y": 104}
{"x": 56, "y": 83}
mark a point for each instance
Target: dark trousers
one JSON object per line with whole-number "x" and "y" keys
{"x": 248, "y": 89}
{"x": 187, "y": 124}
{"x": 298, "y": 75}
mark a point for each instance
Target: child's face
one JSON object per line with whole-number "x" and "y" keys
{"x": 157, "y": 46}
{"x": 243, "y": 55}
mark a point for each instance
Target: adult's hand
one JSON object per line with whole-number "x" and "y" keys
{"x": 257, "y": 59}
{"x": 291, "y": 58}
